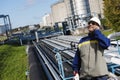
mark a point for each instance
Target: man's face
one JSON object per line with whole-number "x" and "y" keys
{"x": 92, "y": 26}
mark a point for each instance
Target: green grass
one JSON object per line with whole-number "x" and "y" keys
{"x": 13, "y": 62}
{"x": 107, "y": 32}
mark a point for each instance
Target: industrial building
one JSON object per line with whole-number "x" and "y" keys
{"x": 59, "y": 11}
{"x": 47, "y": 20}
{"x": 75, "y": 12}
{"x": 96, "y": 6}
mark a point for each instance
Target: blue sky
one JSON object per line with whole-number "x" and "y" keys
{"x": 24, "y": 12}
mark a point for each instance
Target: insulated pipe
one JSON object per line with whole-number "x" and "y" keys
{"x": 45, "y": 68}
{"x": 113, "y": 35}
{"x": 35, "y": 69}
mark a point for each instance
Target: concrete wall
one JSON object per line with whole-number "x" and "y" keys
{"x": 48, "y": 20}
{"x": 59, "y": 12}
{"x": 45, "y": 23}
{"x": 96, "y": 6}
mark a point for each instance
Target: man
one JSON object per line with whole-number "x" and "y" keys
{"x": 89, "y": 61}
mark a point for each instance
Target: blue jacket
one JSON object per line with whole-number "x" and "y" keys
{"x": 89, "y": 55}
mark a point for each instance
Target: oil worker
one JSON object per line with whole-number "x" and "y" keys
{"x": 89, "y": 62}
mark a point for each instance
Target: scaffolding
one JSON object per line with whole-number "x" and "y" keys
{"x": 7, "y": 24}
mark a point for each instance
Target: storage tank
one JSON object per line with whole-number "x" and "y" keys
{"x": 81, "y": 7}
{"x": 59, "y": 12}
{"x": 77, "y": 7}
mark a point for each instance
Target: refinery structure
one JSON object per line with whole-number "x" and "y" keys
{"x": 70, "y": 14}
{"x": 5, "y": 27}
{"x": 75, "y": 12}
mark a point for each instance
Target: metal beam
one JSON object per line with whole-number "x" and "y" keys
{"x": 2, "y": 16}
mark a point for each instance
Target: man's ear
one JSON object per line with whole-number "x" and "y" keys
{"x": 97, "y": 27}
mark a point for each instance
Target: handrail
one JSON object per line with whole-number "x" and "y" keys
{"x": 60, "y": 63}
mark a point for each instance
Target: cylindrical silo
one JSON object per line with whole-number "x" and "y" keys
{"x": 77, "y": 7}
{"x": 81, "y": 7}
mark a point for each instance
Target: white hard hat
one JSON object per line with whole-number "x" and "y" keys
{"x": 95, "y": 19}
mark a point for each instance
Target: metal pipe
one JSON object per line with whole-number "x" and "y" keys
{"x": 45, "y": 68}
{"x": 113, "y": 35}
{"x": 35, "y": 68}
{"x": 10, "y": 24}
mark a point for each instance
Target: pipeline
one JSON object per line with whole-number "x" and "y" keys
{"x": 49, "y": 67}
{"x": 113, "y": 35}
{"x": 35, "y": 68}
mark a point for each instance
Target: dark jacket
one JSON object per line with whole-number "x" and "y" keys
{"x": 89, "y": 57}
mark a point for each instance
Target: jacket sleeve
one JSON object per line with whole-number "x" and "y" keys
{"x": 76, "y": 61}
{"x": 103, "y": 41}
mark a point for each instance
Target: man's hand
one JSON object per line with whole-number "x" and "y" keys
{"x": 76, "y": 76}
{"x": 91, "y": 28}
